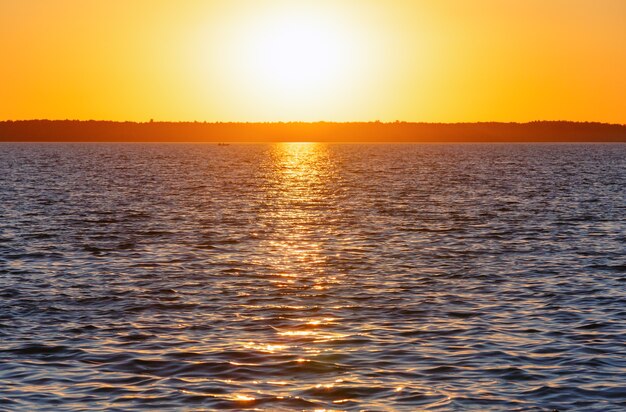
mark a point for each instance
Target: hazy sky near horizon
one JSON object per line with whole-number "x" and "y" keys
{"x": 335, "y": 60}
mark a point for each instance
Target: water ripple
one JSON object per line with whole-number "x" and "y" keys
{"x": 312, "y": 277}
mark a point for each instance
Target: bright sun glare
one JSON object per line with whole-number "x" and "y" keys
{"x": 296, "y": 59}
{"x": 296, "y": 56}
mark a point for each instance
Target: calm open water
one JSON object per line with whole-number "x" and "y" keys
{"x": 306, "y": 276}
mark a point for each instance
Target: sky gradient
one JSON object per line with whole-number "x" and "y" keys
{"x": 339, "y": 60}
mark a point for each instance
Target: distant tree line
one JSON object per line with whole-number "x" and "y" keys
{"x": 376, "y": 131}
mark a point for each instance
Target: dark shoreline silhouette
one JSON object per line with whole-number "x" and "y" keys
{"x": 396, "y": 132}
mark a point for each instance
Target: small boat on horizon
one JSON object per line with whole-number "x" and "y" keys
{"x": 223, "y": 144}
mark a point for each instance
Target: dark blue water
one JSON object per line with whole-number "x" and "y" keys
{"x": 304, "y": 277}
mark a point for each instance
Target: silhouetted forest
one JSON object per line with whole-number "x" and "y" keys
{"x": 107, "y": 131}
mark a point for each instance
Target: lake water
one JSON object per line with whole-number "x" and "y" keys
{"x": 312, "y": 277}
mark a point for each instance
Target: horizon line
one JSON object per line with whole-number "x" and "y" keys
{"x": 391, "y": 122}
{"x": 108, "y": 130}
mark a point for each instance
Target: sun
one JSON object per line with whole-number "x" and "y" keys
{"x": 295, "y": 60}
{"x": 297, "y": 55}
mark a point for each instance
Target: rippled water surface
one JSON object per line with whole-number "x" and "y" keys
{"x": 308, "y": 276}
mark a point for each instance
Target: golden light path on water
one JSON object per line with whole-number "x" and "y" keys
{"x": 298, "y": 197}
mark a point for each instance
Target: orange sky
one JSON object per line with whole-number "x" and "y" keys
{"x": 335, "y": 60}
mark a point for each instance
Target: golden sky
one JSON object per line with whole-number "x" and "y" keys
{"x": 335, "y": 60}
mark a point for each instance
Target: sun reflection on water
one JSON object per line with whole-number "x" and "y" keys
{"x": 243, "y": 398}
{"x": 297, "y": 239}
{"x": 297, "y": 199}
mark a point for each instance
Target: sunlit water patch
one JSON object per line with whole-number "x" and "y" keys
{"x": 312, "y": 277}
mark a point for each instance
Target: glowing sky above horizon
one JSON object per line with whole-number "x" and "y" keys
{"x": 335, "y": 60}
